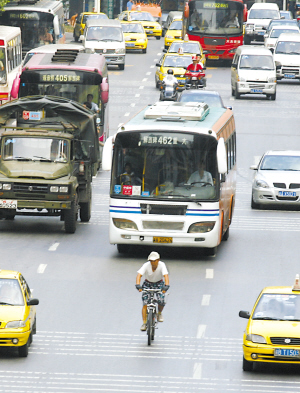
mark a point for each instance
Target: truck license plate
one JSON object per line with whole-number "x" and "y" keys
{"x": 289, "y": 353}
{"x": 8, "y": 204}
{"x": 162, "y": 239}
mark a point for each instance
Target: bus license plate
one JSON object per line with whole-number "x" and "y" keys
{"x": 213, "y": 57}
{"x": 162, "y": 239}
{"x": 287, "y": 193}
{"x": 8, "y": 204}
{"x": 289, "y": 353}
{"x": 256, "y": 90}
{"x": 290, "y": 76}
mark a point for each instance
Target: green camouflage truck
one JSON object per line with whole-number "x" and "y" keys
{"x": 49, "y": 154}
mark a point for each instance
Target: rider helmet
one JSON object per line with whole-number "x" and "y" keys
{"x": 194, "y": 57}
{"x": 170, "y": 71}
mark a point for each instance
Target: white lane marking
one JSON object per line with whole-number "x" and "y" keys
{"x": 155, "y": 60}
{"x": 159, "y": 54}
{"x": 127, "y": 114}
{"x": 209, "y": 273}
{"x": 41, "y": 268}
{"x": 197, "y": 373}
{"x": 141, "y": 87}
{"x": 231, "y": 99}
{"x": 53, "y": 247}
{"x": 148, "y": 73}
{"x": 132, "y": 105}
{"x": 201, "y": 331}
{"x": 137, "y": 95}
{"x": 144, "y": 79}
{"x": 152, "y": 66}
{"x": 205, "y": 300}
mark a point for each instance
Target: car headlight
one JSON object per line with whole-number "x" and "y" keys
{"x": 15, "y": 324}
{"x": 6, "y": 186}
{"x": 120, "y": 50}
{"x": 272, "y": 80}
{"x": 202, "y": 227}
{"x": 141, "y": 40}
{"x": 261, "y": 183}
{"x": 255, "y": 338}
{"x": 169, "y": 36}
{"x": 122, "y": 223}
{"x": 241, "y": 79}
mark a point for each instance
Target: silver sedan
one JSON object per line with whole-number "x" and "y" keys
{"x": 277, "y": 179}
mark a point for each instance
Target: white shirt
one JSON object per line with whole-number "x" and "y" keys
{"x": 170, "y": 80}
{"x": 153, "y": 276}
{"x": 95, "y": 107}
{"x": 195, "y": 178}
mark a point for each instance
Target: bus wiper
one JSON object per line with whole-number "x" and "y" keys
{"x": 22, "y": 158}
{"x": 43, "y": 158}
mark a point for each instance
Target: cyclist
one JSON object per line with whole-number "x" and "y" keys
{"x": 155, "y": 272}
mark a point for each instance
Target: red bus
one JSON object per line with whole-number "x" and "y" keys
{"x": 70, "y": 74}
{"x": 217, "y": 25}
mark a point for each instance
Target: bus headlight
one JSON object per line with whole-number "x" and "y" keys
{"x": 122, "y": 223}
{"x": 202, "y": 227}
{"x": 255, "y": 338}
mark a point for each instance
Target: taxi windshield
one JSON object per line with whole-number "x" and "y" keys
{"x": 272, "y": 306}
{"x": 177, "y": 61}
{"x": 255, "y": 62}
{"x": 132, "y": 28}
{"x": 187, "y": 47}
{"x": 176, "y": 25}
{"x": 280, "y": 163}
{"x": 145, "y": 16}
{"x": 10, "y": 293}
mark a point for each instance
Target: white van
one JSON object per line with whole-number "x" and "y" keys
{"x": 287, "y": 56}
{"x": 259, "y": 17}
{"x": 105, "y": 36}
{"x": 253, "y": 72}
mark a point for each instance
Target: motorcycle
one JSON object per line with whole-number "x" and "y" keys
{"x": 168, "y": 91}
{"x": 195, "y": 79}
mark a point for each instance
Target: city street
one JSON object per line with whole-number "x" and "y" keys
{"x": 88, "y": 320}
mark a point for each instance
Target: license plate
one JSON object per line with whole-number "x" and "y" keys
{"x": 256, "y": 91}
{"x": 129, "y": 44}
{"x": 150, "y": 31}
{"x": 290, "y": 353}
{"x": 8, "y": 204}
{"x": 213, "y": 57}
{"x": 287, "y": 193}
{"x": 162, "y": 239}
{"x": 291, "y": 76}
{"x": 260, "y": 32}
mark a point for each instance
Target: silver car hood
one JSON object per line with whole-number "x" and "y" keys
{"x": 286, "y": 177}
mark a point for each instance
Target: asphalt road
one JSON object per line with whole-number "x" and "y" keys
{"x": 88, "y": 320}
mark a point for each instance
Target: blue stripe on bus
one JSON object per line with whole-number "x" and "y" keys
{"x": 203, "y": 215}
{"x": 124, "y": 211}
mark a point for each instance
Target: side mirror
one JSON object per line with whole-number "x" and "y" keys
{"x": 253, "y": 167}
{"x": 33, "y": 302}
{"x": 107, "y": 154}
{"x": 222, "y": 156}
{"x": 15, "y": 87}
{"x": 104, "y": 91}
{"x": 271, "y": 50}
{"x": 157, "y": 65}
{"x": 165, "y": 50}
{"x": 278, "y": 67}
{"x": 244, "y": 314}
{"x": 56, "y": 26}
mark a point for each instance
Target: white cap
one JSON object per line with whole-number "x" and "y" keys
{"x": 153, "y": 256}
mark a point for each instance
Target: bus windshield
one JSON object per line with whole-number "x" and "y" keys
{"x": 164, "y": 165}
{"x": 3, "y": 75}
{"x": 215, "y": 17}
{"x": 36, "y": 27}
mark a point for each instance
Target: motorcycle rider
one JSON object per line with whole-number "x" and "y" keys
{"x": 170, "y": 80}
{"x": 196, "y": 66}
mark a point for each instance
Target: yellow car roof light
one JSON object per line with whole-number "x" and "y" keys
{"x": 296, "y": 286}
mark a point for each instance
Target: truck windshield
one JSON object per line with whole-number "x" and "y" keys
{"x": 35, "y": 149}
{"x": 164, "y": 165}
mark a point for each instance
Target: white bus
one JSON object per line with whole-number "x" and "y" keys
{"x": 41, "y": 21}
{"x": 156, "y": 195}
{"x": 10, "y": 59}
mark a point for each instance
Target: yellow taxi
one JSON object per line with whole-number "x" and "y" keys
{"x": 135, "y": 36}
{"x": 152, "y": 28}
{"x": 177, "y": 62}
{"x": 81, "y": 21}
{"x": 273, "y": 330}
{"x": 188, "y": 48}
{"x": 174, "y": 32}
{"x": 17, "y": 312}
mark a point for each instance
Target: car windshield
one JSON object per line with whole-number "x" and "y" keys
{"x": 104, "y": 33}
{"x": 288, "y": 48}
{"x": 276, "y": 22}
{"x": 212, "y": 100}
{"x": 35, "y": 149}
{"x": 132, "y": 28}
{"x": 145, "y": 16}
{"x": 280, "y": 163}
{"x": 177, "y": 61}
{"x": 263, "y": 14}
{"x": 10, "y": 293}
{"x": 187, "y": 47}
{"x": 278, "y": 307}
{"x": 176, "y": 25}
{"x": 256, "y": 62}
{"x": 89, "y": 17}
{"x": 275, "y": 33}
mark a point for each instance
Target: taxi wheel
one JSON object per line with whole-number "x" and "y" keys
{"x": 247, "y": 366}
{"x": 158, "y": 38}
{"x": 23, "y": 350}
{"x": 237, "y": 94}
{"x": 144, "y": 50}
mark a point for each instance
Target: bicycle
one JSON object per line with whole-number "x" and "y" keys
{"x": 152, "y": 311}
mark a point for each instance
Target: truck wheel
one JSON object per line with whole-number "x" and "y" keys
{"x": 86, "y": 208}
{"x": 71, "y": 218}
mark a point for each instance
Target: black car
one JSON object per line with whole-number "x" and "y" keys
{"x": 212, "y": 98}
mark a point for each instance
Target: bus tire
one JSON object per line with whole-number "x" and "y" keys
{"x": 247, "y": 40}
{"x": 121, "y": 67}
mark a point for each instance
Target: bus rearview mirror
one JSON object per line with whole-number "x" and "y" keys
{"x": 222, "y": 156}
{"x": 107, "y": 154}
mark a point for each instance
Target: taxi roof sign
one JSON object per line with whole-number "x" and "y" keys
{"x": 296, "y": 286}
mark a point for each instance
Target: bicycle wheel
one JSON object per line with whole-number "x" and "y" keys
{"x": 153, "y": 326}
{"x": 149, "y": 326}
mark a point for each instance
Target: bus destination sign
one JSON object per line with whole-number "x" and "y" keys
{"x": 214, "y": 5}
{"x": 24, "y": 15}
{"x": 59, "y": 76}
